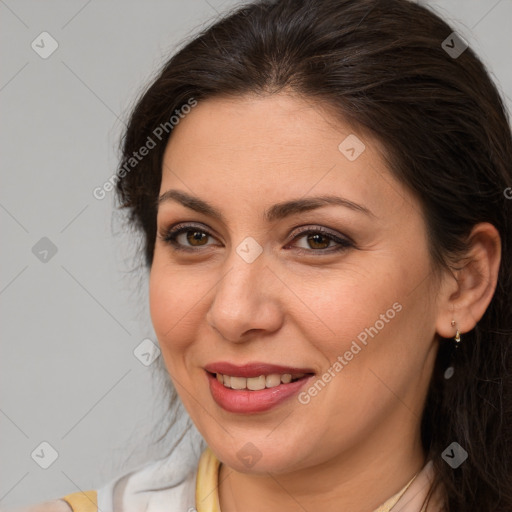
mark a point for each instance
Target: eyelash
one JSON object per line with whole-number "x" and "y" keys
{"x": 170, "y": 235}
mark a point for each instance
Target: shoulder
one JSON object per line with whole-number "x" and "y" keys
{"x": 167, "y": 483}
{"x": 47, "y": 506}
{"x": 149, "y": 489}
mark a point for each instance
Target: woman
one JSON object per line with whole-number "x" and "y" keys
{"x": 323, "y": 187}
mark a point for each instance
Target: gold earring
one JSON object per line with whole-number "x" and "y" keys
{"x": 457, "y": 334}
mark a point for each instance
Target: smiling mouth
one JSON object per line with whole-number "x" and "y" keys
{"x": 258, "y": 383}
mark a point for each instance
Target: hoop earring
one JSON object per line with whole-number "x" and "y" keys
{"x": 448, "y": 374}
{"x": 457, "y": 335}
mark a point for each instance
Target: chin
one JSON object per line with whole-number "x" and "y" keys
{"x": 250, "y": 459}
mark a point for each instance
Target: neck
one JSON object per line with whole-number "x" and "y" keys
{"x": 359, "y": 480}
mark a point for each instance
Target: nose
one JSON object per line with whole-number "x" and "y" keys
{"x": 245, "y": 300}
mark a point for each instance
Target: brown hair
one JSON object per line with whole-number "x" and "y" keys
{"x": 381, "y": 66}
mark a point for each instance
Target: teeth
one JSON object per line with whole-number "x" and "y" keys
{"x": 257, "y": 383}
{"x": 272, "y": 380}
{"x": 238, "y": 382}
{"x": 286, "y": 378}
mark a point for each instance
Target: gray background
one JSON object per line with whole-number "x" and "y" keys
{"x": 71, "y": 323}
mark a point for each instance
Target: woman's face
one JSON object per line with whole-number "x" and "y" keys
{"x": 341, "y": 291}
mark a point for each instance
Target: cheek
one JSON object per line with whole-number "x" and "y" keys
{"x": 369, "y": 319}
{"x": 173, "y": 302}
{"x": 342, "y": 307}
{"x": 380, "y": 330}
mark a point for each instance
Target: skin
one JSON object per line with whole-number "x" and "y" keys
{"x": 357, "y": 442}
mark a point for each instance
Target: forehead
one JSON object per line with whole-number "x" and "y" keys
{"x": 275, "y": 147}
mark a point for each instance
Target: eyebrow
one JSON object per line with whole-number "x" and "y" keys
{"x": 276, "y": 212}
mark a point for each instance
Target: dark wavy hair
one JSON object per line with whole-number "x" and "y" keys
{"x": 381, "y": 66}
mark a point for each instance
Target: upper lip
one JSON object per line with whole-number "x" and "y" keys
{"x": 253, "y": 369}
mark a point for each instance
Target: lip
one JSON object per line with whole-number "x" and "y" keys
{"x": 252, "y": 369}
{"x": 251, "y": 402}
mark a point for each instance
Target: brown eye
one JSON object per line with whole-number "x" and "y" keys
{"x": 186, "y": 237}
{"x": 196, "y": 236}
{"x": 316, "y": 242}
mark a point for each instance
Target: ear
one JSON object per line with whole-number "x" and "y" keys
{"x": 465, "y": 297}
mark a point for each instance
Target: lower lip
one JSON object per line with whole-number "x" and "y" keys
{"x": 245, "y": 401}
